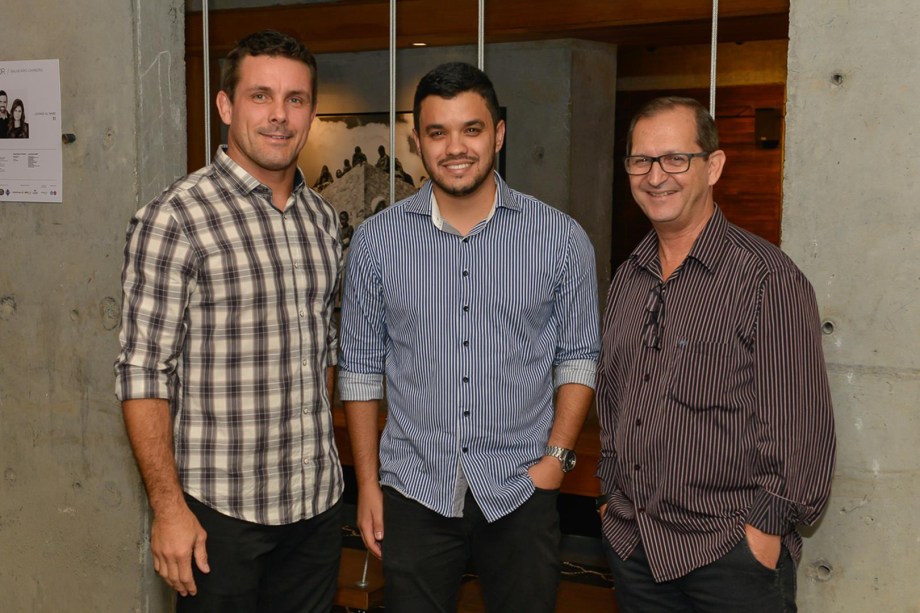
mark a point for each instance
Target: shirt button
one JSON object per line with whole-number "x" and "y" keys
{"x": 466, "y": 273}
{"x": 645, "y": 377}
{"x": 636, "y": 467}
{"x": 306, "y": 461}
{"x": 466, "y": 239}
{"x": 638, "y": 422}
{"x": 302, "y": 313}
{"x": 304, "y": 362}
{"x": 466, "y": 343}
{"x": 466, "y": 449}
{"x": 305, "y": 411}
{"x": 466, "y": 413}
{"x": 466, "y": 307}
{"x": 466, "y": 379}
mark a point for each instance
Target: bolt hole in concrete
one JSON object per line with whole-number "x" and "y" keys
{"x": 822, "y": 570}
{"x": 837, "y": 78}
{"x": 827, "y": 327}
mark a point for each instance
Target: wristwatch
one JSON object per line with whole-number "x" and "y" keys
{"x": 565, "y": 456}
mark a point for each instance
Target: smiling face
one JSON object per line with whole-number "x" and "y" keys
{"x": 270, "y": 116}
{"x": 458, "y": 140}
{"x": 674, "y": 202}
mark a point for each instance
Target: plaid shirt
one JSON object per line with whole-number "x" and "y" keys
{"x": 227, "y": 312}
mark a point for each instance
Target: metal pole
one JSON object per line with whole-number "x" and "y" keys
{"x": 206, "y": 52}
{"x": 481, "y": 36}
{"x": 392, "y": 101}
{"x": 714, "y": 45}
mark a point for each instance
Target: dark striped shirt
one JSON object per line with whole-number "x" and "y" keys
{"x": 471, "y": 333}
{"x": 227, "y": 312}
{"x": 729, "y": 421}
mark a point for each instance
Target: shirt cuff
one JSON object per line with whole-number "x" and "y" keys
{"x": 771, "y": 514}
{"x": 355, "y": 387}
{"x": 134, "y": 383}
{"x": 575, "y": 371}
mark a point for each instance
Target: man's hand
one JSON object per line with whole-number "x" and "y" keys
{"x": 175, "y": 538}
{"x": 370, "y": 517}
{"x": 765, "y": 547}
{"x": 547, "y": 473}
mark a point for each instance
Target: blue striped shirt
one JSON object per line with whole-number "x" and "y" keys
{"x": 471, "y": 334}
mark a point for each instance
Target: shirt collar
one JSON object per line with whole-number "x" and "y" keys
{"x": 240, "y": 180}
{"x": 421, "y": 201}
{"x": 708, "y": 248}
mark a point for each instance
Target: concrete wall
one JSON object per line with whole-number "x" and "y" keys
{"x": 72, "y": 511}
{"x": 559, "y": 144}
{"x": 852, "y": 222}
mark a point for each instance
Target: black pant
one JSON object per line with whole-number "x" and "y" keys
{"x": 425, "y": 555}
{"x": 736, "y": 582}
{"x": 255, "y": 568}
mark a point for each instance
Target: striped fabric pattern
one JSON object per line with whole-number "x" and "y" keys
{"x": 227, "y": 312}
{"x": 468, "y": 332}
{"x": 730, "y": 420}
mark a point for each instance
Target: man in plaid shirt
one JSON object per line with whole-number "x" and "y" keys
{"x": 227, "y": 354}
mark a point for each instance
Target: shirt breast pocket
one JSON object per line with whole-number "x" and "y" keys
{"x": 709, "y": 376}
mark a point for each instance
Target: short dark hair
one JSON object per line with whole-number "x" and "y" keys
{"x": 3, "y": 93}
{"x": 707, "y": 135}
{"x": 448, "y": 80}
{"x": 273, "y": 44}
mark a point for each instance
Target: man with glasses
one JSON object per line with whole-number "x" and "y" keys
{"x": 717, "y": 429}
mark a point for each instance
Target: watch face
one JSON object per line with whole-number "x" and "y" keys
{"x": 569, "y": 462}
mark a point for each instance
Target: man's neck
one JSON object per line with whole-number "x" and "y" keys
{"x": 281, "y": 182}
{"x": 464, "y": 212}
{"x": 674, "y": 244}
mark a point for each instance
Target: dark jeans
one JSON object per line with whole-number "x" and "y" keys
{"x": 736, "y": 582}
{"x": 255, "y": 568}
{"x": 425, "y": 555}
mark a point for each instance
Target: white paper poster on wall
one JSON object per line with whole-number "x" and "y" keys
{"x": 30, "y": 131}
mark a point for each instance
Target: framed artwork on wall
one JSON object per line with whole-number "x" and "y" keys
{"x": 346, "y": 159}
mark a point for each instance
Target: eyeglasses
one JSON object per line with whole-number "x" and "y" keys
{"x": 654, "y": 317}
{"x": 671, "y": 163}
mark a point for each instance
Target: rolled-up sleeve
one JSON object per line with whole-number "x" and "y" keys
{"x": 157, "y": 278}
{"x": 575, "y": 311}
{"x": 363, "y": 327}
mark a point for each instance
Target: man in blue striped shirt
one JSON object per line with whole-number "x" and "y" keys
{"x": 474, "y": 303}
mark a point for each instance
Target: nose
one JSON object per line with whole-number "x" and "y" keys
{"x": 657, "y": 175}
{"x": 455, "y": 144}
{"x": 278, "y": 112}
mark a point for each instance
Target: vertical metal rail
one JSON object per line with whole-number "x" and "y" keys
{"x": 206, "y": 54}
{"x": 714, "y": 45}
{"x": 392, "y": 102}
{"x": 481, "y": 36}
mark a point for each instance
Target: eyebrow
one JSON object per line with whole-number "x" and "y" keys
{"x": 471, "y": 123}
{"x": 265, "y": 88}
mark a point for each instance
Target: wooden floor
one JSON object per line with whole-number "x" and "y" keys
{"x": 573, "y": 597}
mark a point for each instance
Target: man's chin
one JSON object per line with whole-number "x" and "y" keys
{"x": 461, "y": 190}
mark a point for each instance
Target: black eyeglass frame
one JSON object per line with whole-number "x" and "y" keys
{"x": 652, "y": 160}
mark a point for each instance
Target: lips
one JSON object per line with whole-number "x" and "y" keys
{"x": 279, "y": 136}
{"x": 458, "y": 165}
